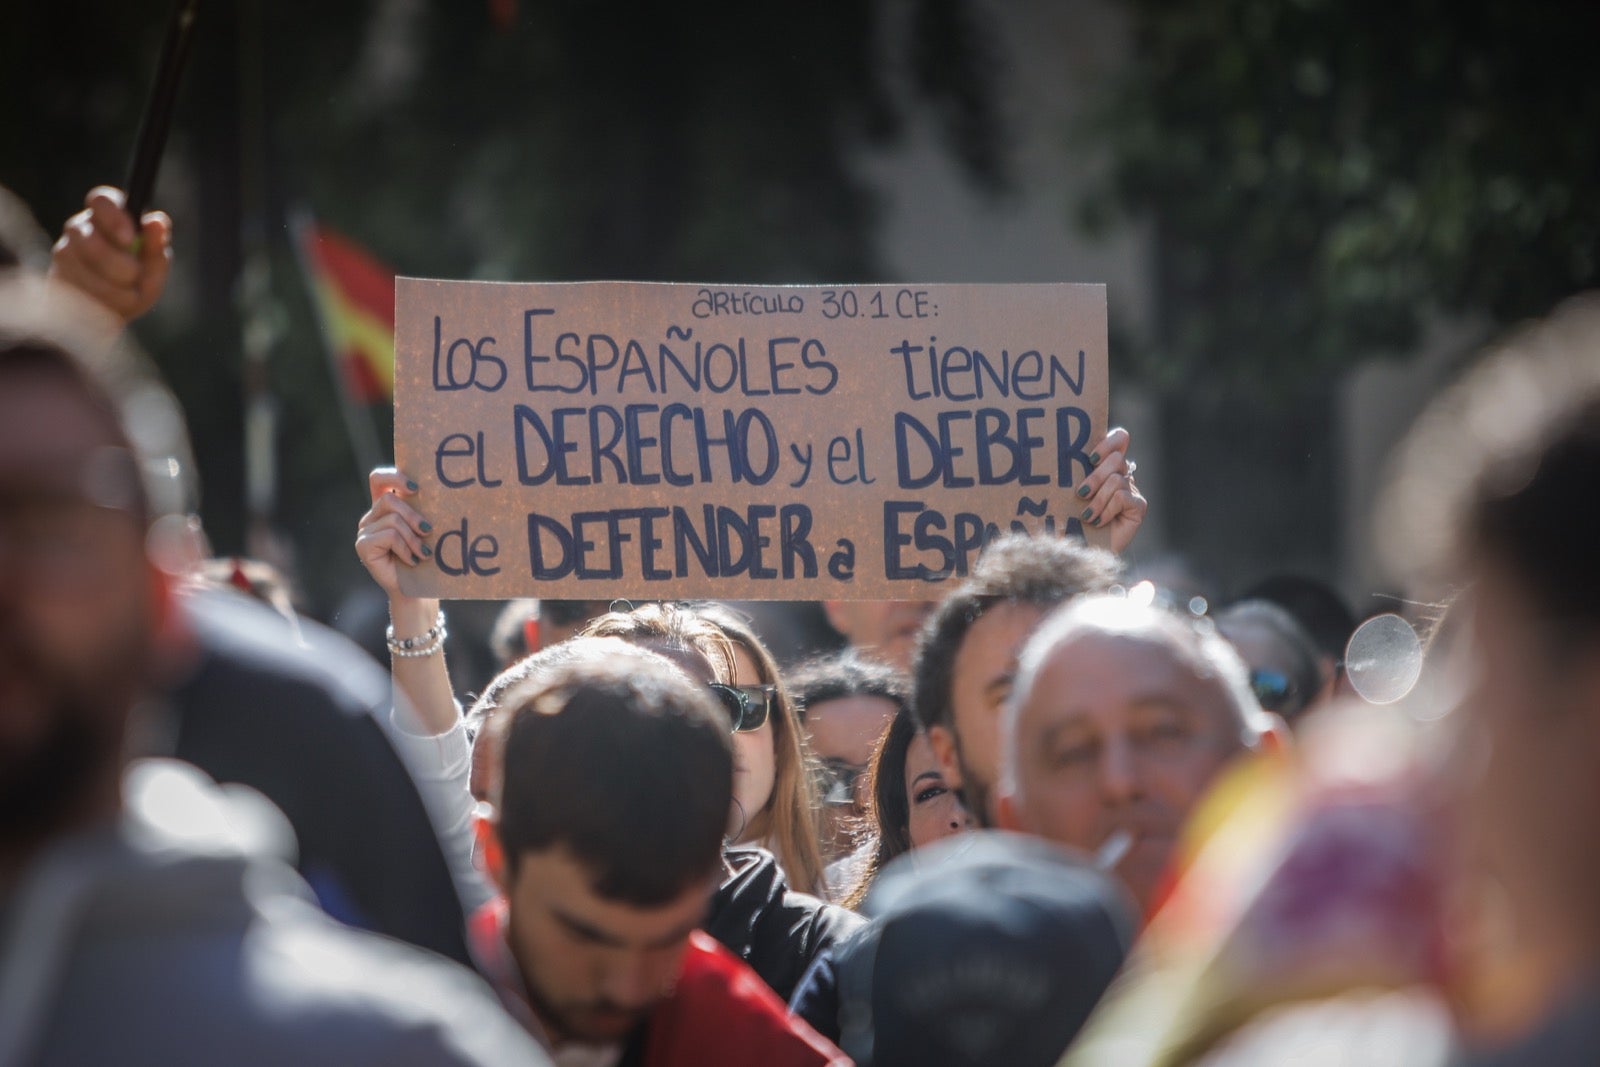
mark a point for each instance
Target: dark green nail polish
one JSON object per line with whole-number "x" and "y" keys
{"x": 1094, "y": 461}
{"x": 426, "y": 551}
{"x": 1086, "y": 513}
{"x": 1083, "y": 490}
{"x": 426, "y": 527}
{"x": 411, "y": 485}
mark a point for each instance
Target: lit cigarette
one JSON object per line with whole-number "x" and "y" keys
{"x": 1113, "y": 850}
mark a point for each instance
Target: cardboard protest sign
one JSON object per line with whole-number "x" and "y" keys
{"x": 599, "y": 439}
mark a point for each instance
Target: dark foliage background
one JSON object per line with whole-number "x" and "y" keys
{"x": 710, "y": 140}
{"x": 1321, "y": 178}
{"x": 1325, "y": 174}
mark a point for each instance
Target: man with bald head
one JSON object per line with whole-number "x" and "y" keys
{"x": 1122, "y": 715}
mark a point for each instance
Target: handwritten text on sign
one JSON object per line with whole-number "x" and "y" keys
{"x": 599, "y": 439}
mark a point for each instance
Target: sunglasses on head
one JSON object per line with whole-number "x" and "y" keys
{"x": 1272, "y": 688}
{"x": 748, "y": 706}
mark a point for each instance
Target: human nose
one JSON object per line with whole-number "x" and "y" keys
{"x": 634, "y": 980}
{"x": 1120, "y": 780}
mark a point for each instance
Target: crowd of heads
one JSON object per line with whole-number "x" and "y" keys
{"x": 1058, "y": 729}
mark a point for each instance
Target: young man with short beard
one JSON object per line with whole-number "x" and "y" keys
{"x": 611, "y": 776}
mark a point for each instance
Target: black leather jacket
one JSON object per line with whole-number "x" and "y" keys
{"x": 773, "y": 928}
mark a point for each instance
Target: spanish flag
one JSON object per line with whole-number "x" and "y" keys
{"x": 354, "y": 293}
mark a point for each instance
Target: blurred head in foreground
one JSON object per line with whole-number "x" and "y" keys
{"x": 79, "y": 601}
{"x": 1498, "y": 491}
{"x": 992, "y": 948}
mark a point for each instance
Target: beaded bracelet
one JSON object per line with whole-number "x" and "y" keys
{"x": 430, "y": 649}
{"x": 425, "y": 644}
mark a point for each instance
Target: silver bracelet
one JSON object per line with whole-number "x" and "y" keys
{"x": 431, "y": 640}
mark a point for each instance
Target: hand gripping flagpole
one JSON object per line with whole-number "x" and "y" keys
{"x": 157, "y": 121}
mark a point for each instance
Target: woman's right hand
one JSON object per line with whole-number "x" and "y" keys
{"x": 391, "y": 534}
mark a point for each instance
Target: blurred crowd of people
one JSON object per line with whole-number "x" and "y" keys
{"x": 1060, "y": 813}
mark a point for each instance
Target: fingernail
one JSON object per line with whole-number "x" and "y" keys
{"x": 411, "y": 485}
{"x": 426, "y": 551}
{"x": 1083, "y": 490}
{"x": 426, "y": 527}
{"x": 1094, "y": 459}
{"x": 1086, "y": 513}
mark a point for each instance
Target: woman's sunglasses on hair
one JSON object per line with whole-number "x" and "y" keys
{"x": 748, "y": 706}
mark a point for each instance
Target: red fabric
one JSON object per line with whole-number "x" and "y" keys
{"x": 360, "y": 379}
{"x": 360, "y": 278}
{"x": 719, "y": 1014}
{"x": 356, "y": 294}
{"x": 723, "y": 1013}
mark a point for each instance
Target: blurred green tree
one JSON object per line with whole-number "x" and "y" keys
{"x": 1324, "y": 175}
{"x": 701, "y": 140}
{"x": 705, "y": 140}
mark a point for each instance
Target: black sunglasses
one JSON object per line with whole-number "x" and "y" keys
{"x": 748, "y": 706}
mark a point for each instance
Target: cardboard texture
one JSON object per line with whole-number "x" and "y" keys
{"x": 647, "y": 440}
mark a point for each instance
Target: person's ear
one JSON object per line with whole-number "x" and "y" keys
{"x": 489, "y": 852}
{"x": 943, "y": 743}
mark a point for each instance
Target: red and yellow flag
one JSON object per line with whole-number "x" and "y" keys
{"x": 355, "y": 293}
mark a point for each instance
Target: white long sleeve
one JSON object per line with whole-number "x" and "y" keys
{"x": 441, "y": 765}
